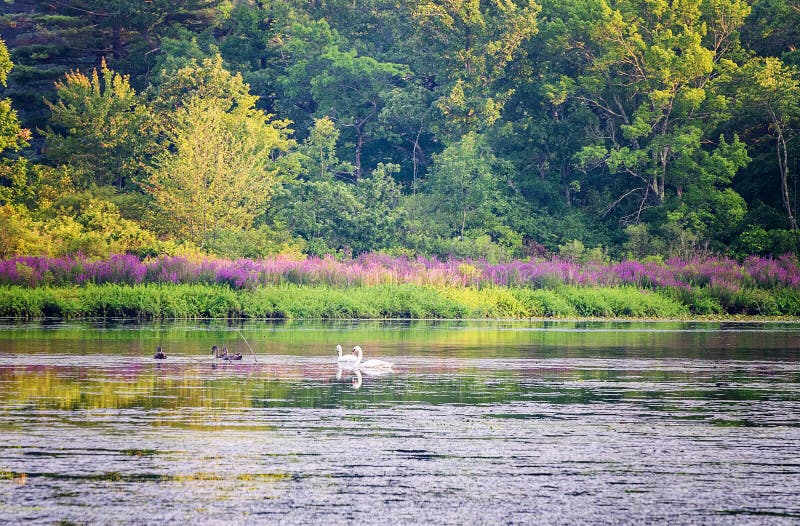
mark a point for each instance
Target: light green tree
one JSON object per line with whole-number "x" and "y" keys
{"x": 319, "y": 157}
{"x": 222, "y": 160}
{"x": 11, "y": 135}
{"x": 99, "y": 127}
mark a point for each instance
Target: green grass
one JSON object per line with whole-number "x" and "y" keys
{"x": 382, "y": 301}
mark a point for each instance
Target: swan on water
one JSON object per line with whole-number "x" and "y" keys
{"x": 369, "y": 364}
{"x": 347, "y": 358}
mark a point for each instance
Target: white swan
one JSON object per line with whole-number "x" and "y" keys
{"x": 345, "y": 359}
{"x": 369, "y": 364}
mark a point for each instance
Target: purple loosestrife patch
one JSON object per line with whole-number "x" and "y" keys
{"x": 726, "y": 276}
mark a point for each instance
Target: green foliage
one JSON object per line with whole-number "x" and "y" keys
{"x": 768, "y": 90}
{"x": 335, "y": 216}
{"x": 19, "y": 233}
{"x": 11, "y": 135}
{"x": 100, "y": 127}
{"x": 253, "y": 243}
{"x": 467, "y": 192}
{"x": 473, "y": 44}
{"x": 459, "y": 128}
{"x": 481, "y": 246}
{"x": 220, "y": 168}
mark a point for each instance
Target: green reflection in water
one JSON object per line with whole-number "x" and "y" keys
{"x": 455, "y": 338}
{"x": 191, "y": 388}
{"x": 106, "y": 365}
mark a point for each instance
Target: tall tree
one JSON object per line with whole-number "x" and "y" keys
{"x": 11, "y": 135}
{"x": 472, "y": 42}
{"x": 768, "y": 91}
{"x": 51, "y": 38}
{"x": 99, "y": 127}
{"x": 251, "y": 40}
{"x": 351, "y": 90}
{"x": 649, "y": 85}
{"x": 325, "y": 81}
{"x": 221, "y": 163}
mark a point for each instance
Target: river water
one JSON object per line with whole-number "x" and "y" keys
{"x": 477, "y": 423}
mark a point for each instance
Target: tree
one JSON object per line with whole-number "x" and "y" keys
{"x": 467, "y": 192}
{"x": 773, "y": 29}
{"x": 767, "y": 89}
{"x": 325, "y": 81}
{"x": 472, "y": 42}
{"x": 708, "y": 208}
{"x": 221, "y": 163}
{"x": 100, "y": 127}
{"x": 11, "y": 135}
{"x": 51, "y": 38}
{"x": 648, "y": 84}
{"x": 319, "y": 157}
{"x": 334, "y": 216}
{"x": 350, "y": 89}
{"x": 252, "y": 41}
{"x": 406, "y": 122}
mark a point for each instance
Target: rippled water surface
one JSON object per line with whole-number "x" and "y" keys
{"x": 477, "y": 423}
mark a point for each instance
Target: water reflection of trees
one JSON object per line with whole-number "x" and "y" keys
{"x": 239, "y": 387}
{"x": 460, "y": 339}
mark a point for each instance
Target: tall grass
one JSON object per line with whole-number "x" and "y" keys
{"x": 297, "y": 301}
{"x": 375, "y": 286}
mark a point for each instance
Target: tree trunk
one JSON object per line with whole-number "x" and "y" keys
{"x": 783, "y": 165}
{"x": 359, "y": 147}
{"x": 116, "y": 38}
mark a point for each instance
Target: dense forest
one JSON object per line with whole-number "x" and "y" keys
{"x": 491, "y": 129}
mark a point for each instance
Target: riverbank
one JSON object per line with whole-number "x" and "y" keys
{"x": 291, "y": 301}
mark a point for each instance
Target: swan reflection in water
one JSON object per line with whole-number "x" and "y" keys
{"x": 358, "y": 377}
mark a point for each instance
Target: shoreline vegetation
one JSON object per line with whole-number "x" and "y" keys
{"x": 377, "y": 286}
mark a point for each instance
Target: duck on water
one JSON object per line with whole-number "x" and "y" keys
{"x": 224, "y": 355}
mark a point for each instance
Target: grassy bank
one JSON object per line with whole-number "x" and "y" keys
{"x": 152, "y": 301}
{"x": 379, "y": 286}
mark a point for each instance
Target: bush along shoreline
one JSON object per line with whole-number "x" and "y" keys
{"x": 379, "y": 286}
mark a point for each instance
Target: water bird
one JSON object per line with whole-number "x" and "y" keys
{"x": 346, "y": 358}
{"x": 226, "y": 356}
{"x": 216, "y": 352}
{"x": 369, "y": 364}
{"x": 159, "y": 355}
